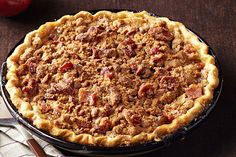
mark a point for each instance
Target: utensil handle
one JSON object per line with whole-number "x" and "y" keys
{"x": 36, "y": 148}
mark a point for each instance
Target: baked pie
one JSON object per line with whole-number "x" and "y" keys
{"x": 111, "y": 79}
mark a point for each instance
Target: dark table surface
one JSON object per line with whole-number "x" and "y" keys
{"x": 214, "y": 20}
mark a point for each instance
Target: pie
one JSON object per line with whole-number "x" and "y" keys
{"x": 111, "y": 79}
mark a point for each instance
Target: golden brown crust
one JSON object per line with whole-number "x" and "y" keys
{"x": 31, "y": 112}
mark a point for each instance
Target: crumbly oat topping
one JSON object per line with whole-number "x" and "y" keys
{"x": 100, "y": 76}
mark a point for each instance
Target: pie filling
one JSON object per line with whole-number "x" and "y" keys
{"x": 110, "y": 77}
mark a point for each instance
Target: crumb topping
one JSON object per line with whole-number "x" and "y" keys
{"x": 100, "y": 76}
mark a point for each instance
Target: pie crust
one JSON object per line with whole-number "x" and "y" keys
{"x": 172, "y": 33}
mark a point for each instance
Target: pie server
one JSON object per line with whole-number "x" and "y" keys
{"x": 7, "y": 120}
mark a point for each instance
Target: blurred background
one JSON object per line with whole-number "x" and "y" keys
{"x": 214, "y": 20}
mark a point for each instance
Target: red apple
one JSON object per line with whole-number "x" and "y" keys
{"x": 13, "y": 7}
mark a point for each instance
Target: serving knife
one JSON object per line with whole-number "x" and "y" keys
{"x": 7, "y": 120}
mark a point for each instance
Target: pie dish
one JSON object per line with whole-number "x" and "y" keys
{"x": 111, "y": 79}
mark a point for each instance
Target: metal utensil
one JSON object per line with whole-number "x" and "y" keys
{"x": 7, "y": 120}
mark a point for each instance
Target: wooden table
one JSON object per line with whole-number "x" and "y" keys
{"x": 214, "y": 20}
